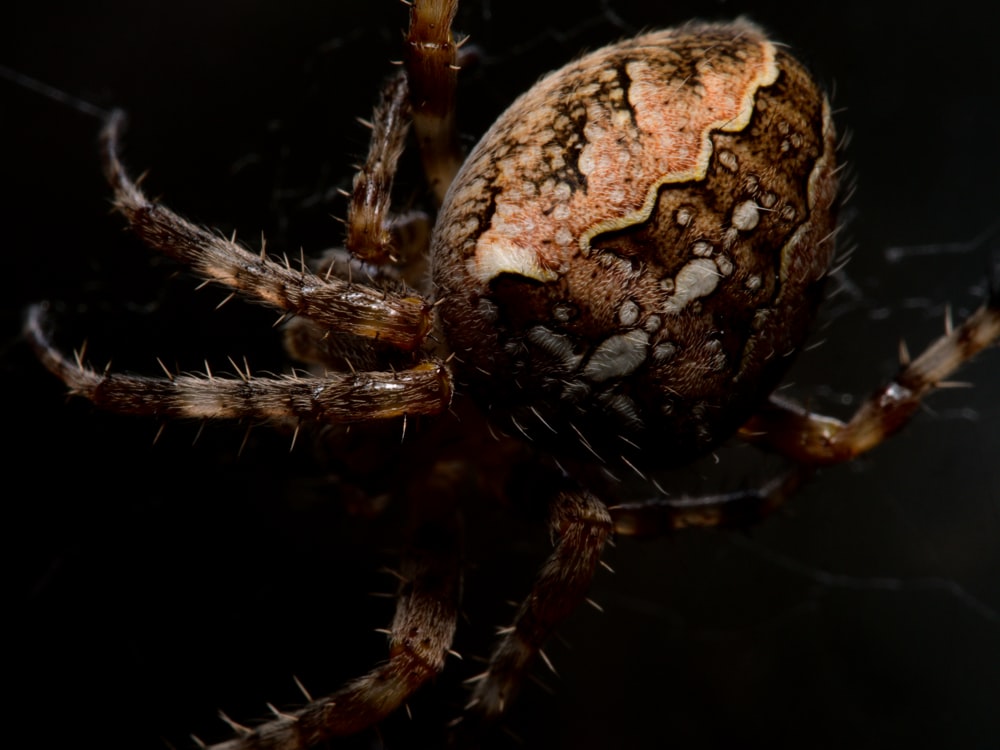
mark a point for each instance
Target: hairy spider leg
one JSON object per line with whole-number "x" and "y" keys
{"x": 374, "y": 235}
{"x": 397, "y": 319}
{"x": 432, "y": 65}
{"x": 333, "y": 397}
{"x": 815, "y": 440}
{"x": 334, "y": 304}
{"x": 738, "y": 509}
{"x": 812, "y": 440}
{"x": 420, "y": 637}
{"x": 424, "y": 94}
{"x": 580, "y": 525}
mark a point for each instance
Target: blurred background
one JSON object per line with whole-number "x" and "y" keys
{"x": 156, "y": 584}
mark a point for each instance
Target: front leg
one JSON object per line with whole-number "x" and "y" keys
{"x": 332, "y": 397}
{"x": 395, "y": 318}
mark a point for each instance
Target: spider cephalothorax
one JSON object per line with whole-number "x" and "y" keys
{"x": 619, "y": 272}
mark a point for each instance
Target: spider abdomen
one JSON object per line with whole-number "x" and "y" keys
{"x": 639, "y": 242}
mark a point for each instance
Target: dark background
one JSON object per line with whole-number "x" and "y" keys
{"x": 153, "y": 585}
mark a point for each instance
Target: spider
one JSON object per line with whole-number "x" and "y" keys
{"x": 547, "y": 374}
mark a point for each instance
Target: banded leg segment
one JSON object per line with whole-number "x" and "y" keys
{"x": 814, "y": 440}
{"x": 334, "y": 304}
{"x": 420, "y": 638}
{"x": 580, "y": 522}
{"x": 373, "y": 234}
{"x": 432, "y": 68}
{"x": 355, "y": 397}
{"x": 424, "y": 95}
{"x": 737, "y": 510}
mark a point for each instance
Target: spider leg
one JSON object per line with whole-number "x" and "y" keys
{"x": 309, "y": 343}
{"x": 306, "y": 342}
{"x": 338, "y": 305}
{"x": 419, "y": 640}
{"x": 738, "y": 509}
{"x": 432, "y": 69}
{"x": 813, "y": 439}
{"x": 355, "y": 397}
{"x": 373, "y": 236}
{"x": 582, "y": 525}
{"x": 425, "y": 95}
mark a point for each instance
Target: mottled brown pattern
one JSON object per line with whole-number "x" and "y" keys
{"x": 652, "y": 302}
{"x": 584, "y": 151}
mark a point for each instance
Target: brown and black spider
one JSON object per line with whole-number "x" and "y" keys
{"x": 416, "y": 432}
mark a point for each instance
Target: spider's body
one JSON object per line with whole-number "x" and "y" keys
{"x": 618, "y": 274}
{"x": 638, "y": 243}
